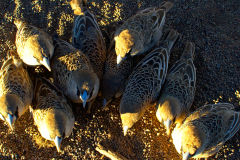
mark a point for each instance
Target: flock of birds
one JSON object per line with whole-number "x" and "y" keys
{"x": 86, "y": 68}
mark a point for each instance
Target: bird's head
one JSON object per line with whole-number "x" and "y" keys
{"x": 41, "y": 53}
{"x": 53, "y": 127}
{"x": 167, "y": 111}
{"x": 130, "y": 113}
{"x": 189, "y": 140}
{"x": 126, "y": 45}
{"x": 87, "y": 86}
{"x": 10, "y": 109}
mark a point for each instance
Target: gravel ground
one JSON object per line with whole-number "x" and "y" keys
{"x": 214, "y": 26}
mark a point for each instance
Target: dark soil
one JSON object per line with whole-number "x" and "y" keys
{"x": 213, "y": 25}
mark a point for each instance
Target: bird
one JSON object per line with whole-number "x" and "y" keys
{"x": 141, "y": 32}
{"x": 34, "y": 46}
{"x": 16, "y": 89}
{"x": 145, "y": 82}
{"x": 178, "y": 91}
{"x": 73, "y": 73}
{"x": 87, "y": 36}
{"x": 205, "y": 131}
{"x": 114, "y": 78}
{"x": 51, "y": 112}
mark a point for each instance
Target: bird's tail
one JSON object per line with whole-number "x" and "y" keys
{"x": 78, "y": 6}
{"x": 189, "y": 51}
{"x": 171, "y": 38}
{"x": 166, "y": 5}
{"x": 18, "y": 23}
{"x": 82, "y": 23}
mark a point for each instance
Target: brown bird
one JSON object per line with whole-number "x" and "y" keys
{"x": 73, "y": 73}
{"x": 88, "y": 37}
{"x": 178, "y": 90}
{"x": 115, "y": 77}
{"x": 51, "y": 113}
{"x": 16, "y": 89}
{"x": 141, "y": 32}
{"x": 145, "y": 83}
{"x": 205, "y": 131}
{"x": 34, "y": 46}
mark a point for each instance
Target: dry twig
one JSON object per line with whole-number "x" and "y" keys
{"x": 110, "y": 154}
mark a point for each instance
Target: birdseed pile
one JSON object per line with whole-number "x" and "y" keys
{"x": 214, "y": 27}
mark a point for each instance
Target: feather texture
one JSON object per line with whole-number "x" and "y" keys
{"x": 73, "y": 73}
{"x": 52, "y": 114}
{"x": 178, "y": 91}
{"x": 16, "y": 90}
{"x": 34, "y": 46}
{"x": 88, "y": 38}
{"x": 205, "y": 131}
{"x": 145, "y": 82}
{"x": 141, "y": 32}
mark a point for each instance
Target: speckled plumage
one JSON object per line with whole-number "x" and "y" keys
{"x": 34, "y": 46}
{"x": 145, "y": 82}
{"x": 115, "y": 77}
{"x": 205, "y": 131}
{"x": 51, "y": 112}
{"x": 72, "y": 72}
{"x": 87, "y": 36}
{"x": 141, "y": 32}
{"x": 178, "y": 91}
{"x": 16, "y": 90}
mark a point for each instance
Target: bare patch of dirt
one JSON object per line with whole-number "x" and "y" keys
{"x": 214, "y": 26}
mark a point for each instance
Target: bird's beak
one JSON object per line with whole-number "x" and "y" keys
{"x": 119, "y": 59}
{"x": 9, "y": 119}
{"x": 159, "y": 117}
{"x": 186, "y": 156}
{"x": 125, "y": 129}
{"x": 46, "y": 63}
{"x": 84, "y": 98}
{"x": 57, "y": 142}
{"x": 84, "y": 104}
{"x": 167, "y": 124}
{"x": 2, "y": 117}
